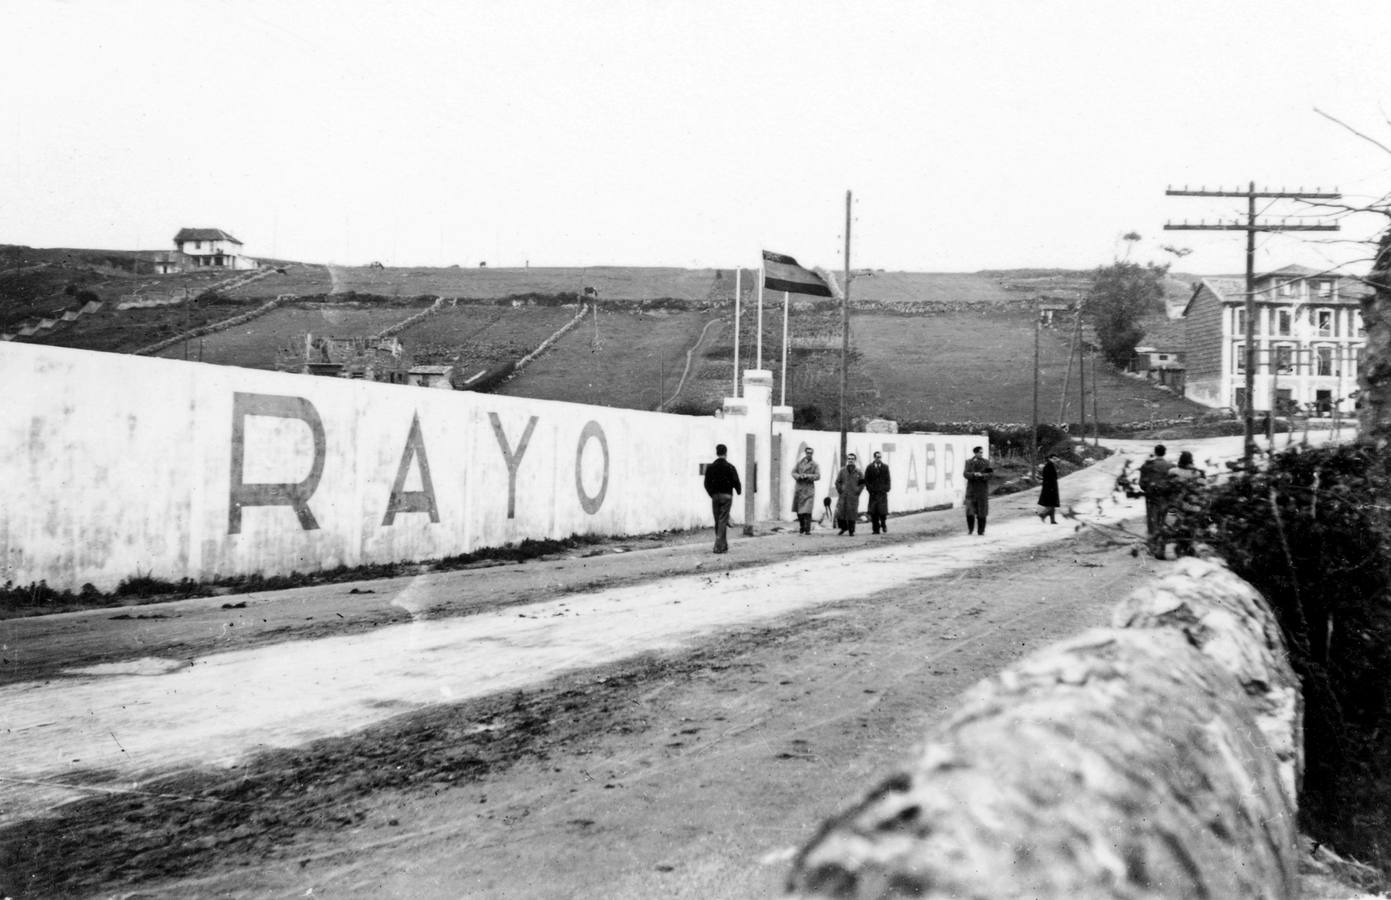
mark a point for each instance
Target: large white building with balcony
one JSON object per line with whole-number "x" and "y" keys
{"x": 1309, "y": 341}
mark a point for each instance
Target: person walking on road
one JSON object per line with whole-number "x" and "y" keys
{"x": 1154, "y": 482}
{"x": 877, "y": 482}
{"x": 722, "y": 483}
{"x": 849, "y": 482}
{"x": 1048, "y": 495}
{"x": 977, "y": 475}
{"x": 1186, "y": 483}
{"x": 805, "y": 475}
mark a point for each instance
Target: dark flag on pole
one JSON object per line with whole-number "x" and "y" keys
{"x": 782, "y": 273}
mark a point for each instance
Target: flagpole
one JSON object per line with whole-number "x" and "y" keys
{"x": 758, "y": 358}
{"x": 786, "y": 296}
{"x": 738, "y": 291}
{"x": 845, "y": 327}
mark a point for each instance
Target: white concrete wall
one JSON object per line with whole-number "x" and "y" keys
{"x": 118, "y": 464}
{"x": 925, "y": 469}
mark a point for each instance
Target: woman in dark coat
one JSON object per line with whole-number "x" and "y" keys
{"x": 1048, "y": 496}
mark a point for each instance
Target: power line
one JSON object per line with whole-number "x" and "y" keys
{"x": 1251, "y": 226}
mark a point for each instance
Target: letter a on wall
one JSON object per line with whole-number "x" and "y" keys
{"x": 422, "y": 500}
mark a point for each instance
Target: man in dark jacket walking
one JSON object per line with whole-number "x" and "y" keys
{"x": 1154, "y": 481}
{"x": 722, "y": 483}
{"x": 877, "y": 483}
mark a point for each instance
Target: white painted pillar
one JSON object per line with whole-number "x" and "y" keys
{"x": 780, "y": 435}
{"x": 752, "y": 414}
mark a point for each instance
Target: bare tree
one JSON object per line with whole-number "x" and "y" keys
{"x": 1374, "y": 379}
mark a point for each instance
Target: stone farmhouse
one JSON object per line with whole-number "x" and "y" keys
{"x": 367, "y": 358}
{"x": 1160, "y": 355}
{"x": 1309, "y": 339}
{"x": 202, "y": 249}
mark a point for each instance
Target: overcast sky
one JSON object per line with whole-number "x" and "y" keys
{"x": 973, "y": 134}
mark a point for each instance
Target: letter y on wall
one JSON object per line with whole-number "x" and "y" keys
{"x": 513, "y": 459}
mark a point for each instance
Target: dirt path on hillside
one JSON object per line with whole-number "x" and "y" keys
{"x": 690, "y": 357}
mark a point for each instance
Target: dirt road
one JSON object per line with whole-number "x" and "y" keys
{"x": 658, "y": 722}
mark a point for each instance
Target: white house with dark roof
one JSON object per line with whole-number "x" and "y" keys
{"x": 210, "y": 248}
{"x": 1308, "y": 334}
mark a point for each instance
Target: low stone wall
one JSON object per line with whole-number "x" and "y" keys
{"x": 1156, "y": 758}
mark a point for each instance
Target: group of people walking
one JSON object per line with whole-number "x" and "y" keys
{"x": 1167, "y": 488}
{"x": 1164, "y": 485}
{"x": 722, "y": 483}
{"x": 850, "y": 482}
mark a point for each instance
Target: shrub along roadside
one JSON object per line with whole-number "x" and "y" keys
{"x": 1311, "y": 529}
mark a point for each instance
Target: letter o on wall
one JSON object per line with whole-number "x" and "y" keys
{"x": 593, "y": 431}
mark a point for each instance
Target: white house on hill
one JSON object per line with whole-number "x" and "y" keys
{"x": 210, "y": 248}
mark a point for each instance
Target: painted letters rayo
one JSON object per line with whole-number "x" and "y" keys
{"x": 120, "y": 465}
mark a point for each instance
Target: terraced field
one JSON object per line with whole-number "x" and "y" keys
{"x": 126, "y": 331}
{"x": 629, "y": 359}
{"x": 254, "y": 344}
{"x": 301, "y": 280}
{"x": 483, "y": 336}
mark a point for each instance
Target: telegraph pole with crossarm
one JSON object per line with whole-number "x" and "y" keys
{"x": 1251, "y": 227}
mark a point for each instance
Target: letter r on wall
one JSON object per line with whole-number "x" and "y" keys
{"x": 294, "y": 495}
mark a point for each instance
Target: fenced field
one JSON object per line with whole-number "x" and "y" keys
{"x": 630, "y": 359}
{"x": 255, "y": 344}
{"x": 301, "y": 280}
{"x": 482, "y": 336}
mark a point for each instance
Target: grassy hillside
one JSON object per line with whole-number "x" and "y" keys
{"x": 937, "y": 287}
{"x": 255, "y": 344}
{"x": 967, "y": 356}
{"x": 625, "y": 358}
{"x": 966, "y": 367}
{"x": 481, "y": 337}
{"x": 126, "y": 331}
{"x": 612, "y": 282}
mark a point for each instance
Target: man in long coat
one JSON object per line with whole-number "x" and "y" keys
{"x": 877, "y": 482}
{"x": 849, "y": 483}
{"x": 805, "y": 474}
{"x": 977, "y": 476}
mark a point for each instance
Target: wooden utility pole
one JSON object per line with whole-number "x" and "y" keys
{"x": 1033, "y": 434}
{"x": 1067, "y": 376}
{"x": 1096, "y": 416}
{"x": 1252, "y": 226}
{"x": 1082, "y": 376}
{"x": 845, "y": 330}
